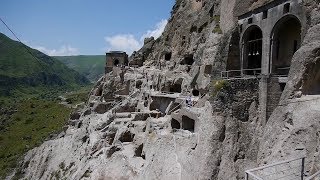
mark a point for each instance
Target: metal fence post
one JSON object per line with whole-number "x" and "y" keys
{"x": 302, "y": 168}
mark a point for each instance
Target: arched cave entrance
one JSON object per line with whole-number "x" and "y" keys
{"x": 252, "y": 52}
{"x": 116, "y": 62}
{"x": 286, "y": 40}
{"x": 195, "y": 92}
{"x": 187, "y": 60}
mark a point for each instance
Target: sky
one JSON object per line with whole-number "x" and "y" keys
{"x": 84, "y": 27}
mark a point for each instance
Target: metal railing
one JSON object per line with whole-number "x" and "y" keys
{"x": 281, "y": 72}
{"x": 234, "y": 74}
{"x": 244, "y": 73}
{"x": 292, "y": 169}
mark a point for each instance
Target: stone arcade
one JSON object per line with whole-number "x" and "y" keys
{"x": 269, "y": 36}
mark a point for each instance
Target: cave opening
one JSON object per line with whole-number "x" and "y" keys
{"x": 208, "y": 69}
{"x": 187, "y": 60}
{"x": 175, "y": 88}
{"x": 139, "y": 152}
{"x": 188, "y": 123}
{"x": 116, "y": 62}
{"x": 286, "y": 8}
{"x": 168, "y": 56}
{"x": 127, "y": 137}
{"x": 175, "y": 124}
{"x": 195, "y": 92}
{"x": 99, "y": 91}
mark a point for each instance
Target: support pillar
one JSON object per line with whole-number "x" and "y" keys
{"x": 263, "y": 91}
{"x": 242, "y": 57}
{"x": 263, "y": 94}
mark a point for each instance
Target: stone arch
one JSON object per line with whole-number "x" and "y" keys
{"x": 252, "y": 50}
{"x": 285, "y": 41}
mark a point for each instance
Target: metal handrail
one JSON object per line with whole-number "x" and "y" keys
{"x": 253, "y": 175}
{"x": 275, "y": 164}
{"x": 284, "y": 68}
{"x": 175, "y": 107}
{"x": 241, "y": 71}
{"x": 250, "y": 171}
{"x": 182, "y": 102}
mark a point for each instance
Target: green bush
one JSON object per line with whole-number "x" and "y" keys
{"x": 218, "y": 85}
{"x": 217, "y": 29}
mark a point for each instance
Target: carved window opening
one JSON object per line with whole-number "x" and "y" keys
{"x": 188, "y": 123}
{"x": 286, "y": 8}
{"x": 175, "y": 124}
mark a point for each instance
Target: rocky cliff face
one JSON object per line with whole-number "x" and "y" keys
{"x": 137, "y": 125}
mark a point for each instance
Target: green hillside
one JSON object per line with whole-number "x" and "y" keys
{"x": 21, "y": 72}
{"x": 90, "y": 66}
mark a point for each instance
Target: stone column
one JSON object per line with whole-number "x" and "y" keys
{"x": 263, "y": 91}
{"x": 265, "y": 53}
{"x": 263, "y": 94}
{"x": 241, "y": 57}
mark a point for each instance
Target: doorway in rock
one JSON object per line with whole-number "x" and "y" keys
{"x": 195, "y": 92}
{"x": 167, "y": 56}
{"x": 188, "y": 123}
{"x": 286, "y": 40}
{"x": 116, "y": 62}
{"x": 252, "y": 50}
{"x": 175, "y": 124}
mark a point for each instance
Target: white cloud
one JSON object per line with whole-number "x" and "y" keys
{"x": 159, "y": 28}
{"x": 129, "y": 43}
{"x": 123, "y": 42}
{"x": 65, "y": 50}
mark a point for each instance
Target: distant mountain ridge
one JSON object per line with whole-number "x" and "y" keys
{"x": 91, "y": 66}
{"x": 22, "y": 67}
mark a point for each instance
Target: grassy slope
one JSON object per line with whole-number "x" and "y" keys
{"x": 26, "y": 122}
{"x": 29, "y": 110}
{"x": 33, "y": 122}
{"x": 20, "y": 70}
{"x": 91, "y": 66}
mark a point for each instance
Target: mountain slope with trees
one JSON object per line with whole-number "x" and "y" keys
{"x": 23, "y": 69}
{"x": 91, "y": 66}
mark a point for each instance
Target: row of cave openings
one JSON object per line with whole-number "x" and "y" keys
{"x": 285, "y": 40}
{"x": 187, "y": 124}
{"x": 188, "y": 60}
